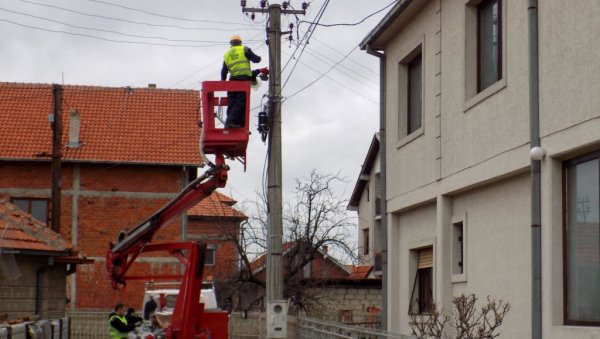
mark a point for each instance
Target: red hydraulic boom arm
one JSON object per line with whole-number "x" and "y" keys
{"x": 188, "y": 319}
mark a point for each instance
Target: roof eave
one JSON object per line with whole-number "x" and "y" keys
{"x": 372, "y": 38}
{"x": 366, "y": 168}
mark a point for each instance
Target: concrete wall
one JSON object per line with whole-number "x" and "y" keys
{"x": 18, "y": 287}
{"x": 355, "y": 299}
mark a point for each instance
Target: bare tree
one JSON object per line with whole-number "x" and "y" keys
{"x": 315, "y": 224}
{"x": 470, "y": 324}
{"x": 429, "y": 324}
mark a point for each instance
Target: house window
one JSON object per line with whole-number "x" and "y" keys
{"x": 410, "y": 100}
{"x": 377, "y": 206}
{"x": 421, "y": 296}
{"x": 209, "y": 256}
{"x": 581, "y": 234}
{"x": 459, "y": 249}
{"x": 414, "y": 95}
{"x": 489, "y": 43}
{"x": 38, "y": 208}
{"x": 366, "y": 241}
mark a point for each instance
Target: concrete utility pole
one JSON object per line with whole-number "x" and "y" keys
{"x": 276, "y": 305}
{"x": 56, "y": 154}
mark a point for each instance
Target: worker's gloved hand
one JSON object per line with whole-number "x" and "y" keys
{"x": 264, "y": 70}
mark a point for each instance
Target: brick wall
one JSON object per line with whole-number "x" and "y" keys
{"x": 98, "y": 201}
{"x": 18, "y": 287}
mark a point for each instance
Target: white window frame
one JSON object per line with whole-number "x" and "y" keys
{"x": 456, "y": 250}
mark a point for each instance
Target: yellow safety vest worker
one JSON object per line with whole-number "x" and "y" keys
{"x": 113, "y": 332}
{"x": 236, "y": 61}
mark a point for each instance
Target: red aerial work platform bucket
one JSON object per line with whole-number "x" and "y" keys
{"x": 229, "y": 142}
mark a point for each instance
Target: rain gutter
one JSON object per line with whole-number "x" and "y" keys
{"x": 383, "y": 175}
{"x": 536, "y": 182}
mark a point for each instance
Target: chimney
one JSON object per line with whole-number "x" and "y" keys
{"x": 325, "y": 249}
{"x": 74, "y": 126}
{"x": 151, "y": 85}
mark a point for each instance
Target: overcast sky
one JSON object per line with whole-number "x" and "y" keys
{"x": 327, "y": 127}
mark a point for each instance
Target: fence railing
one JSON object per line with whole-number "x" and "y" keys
{"x": 323, "y": 329}
{"x": 89, "y": 324}
{"x": 94, "y": 325}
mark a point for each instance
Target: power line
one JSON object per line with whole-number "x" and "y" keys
{"x": 320, "y": 57}
{"x": 166, "y": 16}
{"x": 342, "y": 54}
{"x": 325, "y": 74}
{"x": 309, "y": 34}
{"x": 139, "y": 22}
{"x": 105, "y": 30}
{"x": 109, "y": 40}
{"x": 352, "y": 24}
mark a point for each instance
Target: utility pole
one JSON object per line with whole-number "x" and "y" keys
{"x": 276, "y": 305}
{"x": 56, "y": 123}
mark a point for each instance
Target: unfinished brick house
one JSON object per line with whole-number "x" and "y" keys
{"x": 215, "y": 222}
{"x": 125, "y": 153}
{"x": 34, "y": 265}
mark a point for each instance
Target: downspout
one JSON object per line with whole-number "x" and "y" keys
{"x": 382, "y": 165}
{"x": 536, "y": 191}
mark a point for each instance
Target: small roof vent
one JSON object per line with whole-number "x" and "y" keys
{"x": 74, "y": 128}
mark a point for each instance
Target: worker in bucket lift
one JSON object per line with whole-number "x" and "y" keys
{"x": 237, "y": 63}
{"x": 120, "y": 327}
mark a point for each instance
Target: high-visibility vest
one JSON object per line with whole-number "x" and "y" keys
{"x": 113, "y": 332}
{"x": 236, "y": 61}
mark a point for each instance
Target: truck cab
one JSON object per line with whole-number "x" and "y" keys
{"x": 167, "y": 295}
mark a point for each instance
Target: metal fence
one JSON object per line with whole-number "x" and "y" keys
{"x": 89, "y": 324}
{"x": 323, "y": 329}
{"x": 94, "y": 325}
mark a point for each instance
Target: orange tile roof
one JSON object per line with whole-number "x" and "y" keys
{"x": 130, "y": 125}
{"x": 18, "y": 230}
{"x": 216, "y": 205}
{"x": 359, "y": 272}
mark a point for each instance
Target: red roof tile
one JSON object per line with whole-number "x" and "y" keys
{"x": 216, "y": 205}
{"x": 359, "y": 272}
{"x": 132, "y": 125}
{"x": 18, "y": 230}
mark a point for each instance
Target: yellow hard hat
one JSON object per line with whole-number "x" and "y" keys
{"x": 235, "y": 37}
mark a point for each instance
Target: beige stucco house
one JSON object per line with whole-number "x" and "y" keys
{"x": 366, "y": 201}
{"x": 459, "y": 193}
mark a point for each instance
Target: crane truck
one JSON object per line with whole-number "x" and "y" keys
{"x": 189, "y": 320}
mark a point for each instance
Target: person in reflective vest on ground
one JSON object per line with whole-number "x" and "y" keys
{"x": 119, "y": 326}
{"x": 236, "y": 61}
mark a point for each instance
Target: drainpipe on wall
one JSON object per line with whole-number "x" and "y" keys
{"x": 536, "y": 191}
{"x": 382, "y": 165}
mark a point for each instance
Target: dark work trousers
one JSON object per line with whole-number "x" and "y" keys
{"x": 236, "y": 107}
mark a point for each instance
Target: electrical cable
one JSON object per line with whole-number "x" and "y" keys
{"x": 369, "y": 86}
{"x": 166, "y": 16}
{"x": 137, "y": 22}
{"x": 352, "y": 24}
{"x": 320, "y": 56}
{"x": 322, "y": 76}
{"x": 349, "y": 59}
{"x": 110, "y": 40}
{"x": 106, "y": 30}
